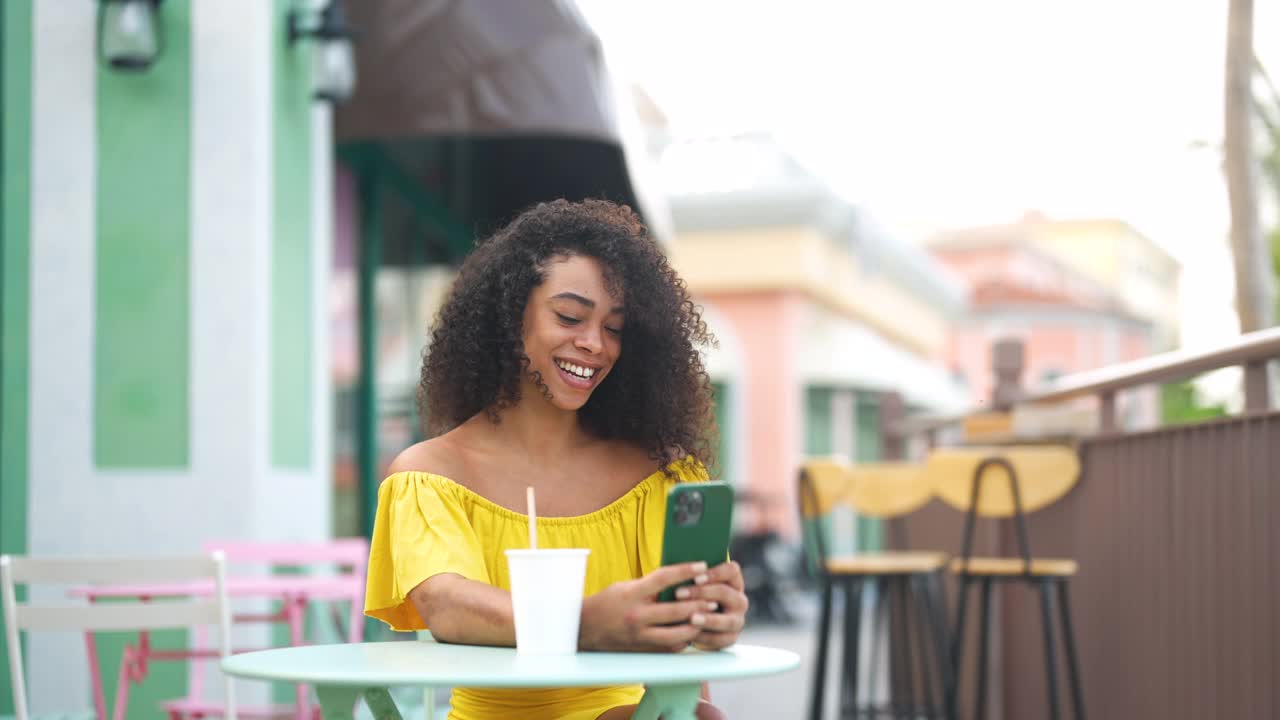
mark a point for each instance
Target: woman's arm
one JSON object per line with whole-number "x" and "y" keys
{"x": 626, "y": 616}
{"x": 467, "y": 612}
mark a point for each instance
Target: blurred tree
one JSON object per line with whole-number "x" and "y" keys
{"x": 1255, "y": 284}
{"x": 1179, "y": 404}
{"x": 1266, "y": 107}
{"x": 1275, "y": 260}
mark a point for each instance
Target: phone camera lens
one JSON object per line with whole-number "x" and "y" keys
{"x": 695, "y": 502}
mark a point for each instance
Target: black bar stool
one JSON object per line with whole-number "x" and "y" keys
{"x": 909, "y": 606}
{"x": 1051, "y": 473}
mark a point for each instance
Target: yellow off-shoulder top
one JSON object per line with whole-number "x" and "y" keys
{"x": 427, "y": 524}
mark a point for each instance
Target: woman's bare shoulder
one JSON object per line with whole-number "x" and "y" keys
{"x": 634, "y": 460}
{"x": 438, "y": 456}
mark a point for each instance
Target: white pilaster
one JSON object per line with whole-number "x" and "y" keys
{"x": 230, "y": 249}
{"x": 62, "y": 492}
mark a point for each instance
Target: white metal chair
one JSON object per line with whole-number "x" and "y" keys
{"x": 179, "y": 613}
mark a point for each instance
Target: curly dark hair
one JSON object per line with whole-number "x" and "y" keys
{"x": 657, "y": 396}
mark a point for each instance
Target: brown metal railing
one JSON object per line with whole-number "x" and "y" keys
{"x": 1177, "y": 602}
{"x": 1251, "y": 351}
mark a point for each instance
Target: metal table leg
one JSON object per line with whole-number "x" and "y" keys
{"x": 337, "y": 702}
{"x": 670, "y": 702}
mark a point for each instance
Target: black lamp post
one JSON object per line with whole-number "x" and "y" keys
{"x": 129, "y": 34}
{"x": 333, "y": 64}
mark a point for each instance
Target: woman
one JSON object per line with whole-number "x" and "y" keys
{"x": 527, "y": 383}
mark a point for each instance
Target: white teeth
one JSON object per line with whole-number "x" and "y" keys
{"x": 585, "y": 373}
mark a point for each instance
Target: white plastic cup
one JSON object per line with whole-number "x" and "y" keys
{"x": 546, "y": 597}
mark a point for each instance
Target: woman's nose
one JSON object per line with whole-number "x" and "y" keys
{"x": 589, "y": 340}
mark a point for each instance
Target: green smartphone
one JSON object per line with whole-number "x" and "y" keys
{"x": 698, "y": 524}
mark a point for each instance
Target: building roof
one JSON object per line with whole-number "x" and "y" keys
{"x": 750, "y": 181}
{"x": 1035, "y": 224}
{"x": 991, "y": 286}
{"x": 1033, "y": 238}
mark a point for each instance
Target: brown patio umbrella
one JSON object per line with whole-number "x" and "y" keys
{"x": 480, "y": 67}
{"x": 472, "y": 111}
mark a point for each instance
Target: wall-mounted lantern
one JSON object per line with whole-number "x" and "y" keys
{"x": 129, "y": 34}
{"x": 333, "y": 64}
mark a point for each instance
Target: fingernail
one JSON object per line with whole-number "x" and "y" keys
{"x": 700, "y": 579}
{"x": 683, "y": 593}
{"x": 712, "y": 606}
{"x": 698, "y": 619}
{"x": 699, "y": 567}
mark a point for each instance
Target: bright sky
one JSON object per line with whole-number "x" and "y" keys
{"x": 935, "y": 114}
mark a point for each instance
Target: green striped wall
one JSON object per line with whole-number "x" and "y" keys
{"x": 291, "y": 260}
{"x": 867, "y": 443}
{"x": 15, "y": 222}
{"x": 142, "y": 336}
{"x": 817, "y": 421}
{"x": 142, "y": 279}
{"x": 818, "y": 442}
{"x": 720, "y": 394}
{"x": 291, "y": 271}
{"x": 142, "y": 339}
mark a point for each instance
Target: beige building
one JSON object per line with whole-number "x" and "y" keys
{"x": 1143, "y": 277}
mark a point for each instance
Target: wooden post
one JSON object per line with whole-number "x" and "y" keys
{"x": 893, "y": 446}
{"x": 1107, "y": 422}
{"x": 1006, "y": 363}
{"x": 1257, "y": 390}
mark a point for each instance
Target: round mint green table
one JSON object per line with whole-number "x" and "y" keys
{"x": 343, "y": 673}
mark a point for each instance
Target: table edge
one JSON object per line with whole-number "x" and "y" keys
{"x": 227, "y": 666}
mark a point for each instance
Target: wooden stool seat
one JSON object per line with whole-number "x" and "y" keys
{"x": 886, "y": 563}
{"x": 1002, "y": 566}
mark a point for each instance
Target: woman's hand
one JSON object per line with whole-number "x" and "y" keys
{"x": 723, "y": 586}
{"x": 627, "y": 616}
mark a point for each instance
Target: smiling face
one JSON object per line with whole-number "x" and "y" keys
{"x": 572, "y": 330}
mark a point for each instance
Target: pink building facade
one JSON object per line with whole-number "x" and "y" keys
{"x": 759, "y": 447}
{"x": 819, "y": 313}
{"x": 1067, "y": 321}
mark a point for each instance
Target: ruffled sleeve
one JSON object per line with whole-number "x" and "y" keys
{"x": 420, "y": 530}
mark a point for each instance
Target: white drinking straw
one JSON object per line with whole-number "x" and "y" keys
{"x": 533, "y": 519}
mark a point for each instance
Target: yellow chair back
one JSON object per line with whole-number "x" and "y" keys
{"x": 888, "y": 489}
{"x": 1045, "y": 473}
{"x": 828, "y": 483}
{"x": 880, "y": 490}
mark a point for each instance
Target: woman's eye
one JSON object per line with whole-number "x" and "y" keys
{"x": 615, "y": 331}
{"x": 568, "y": 320}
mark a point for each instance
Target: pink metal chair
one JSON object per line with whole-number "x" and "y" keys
{"x": 336, "y": 574}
